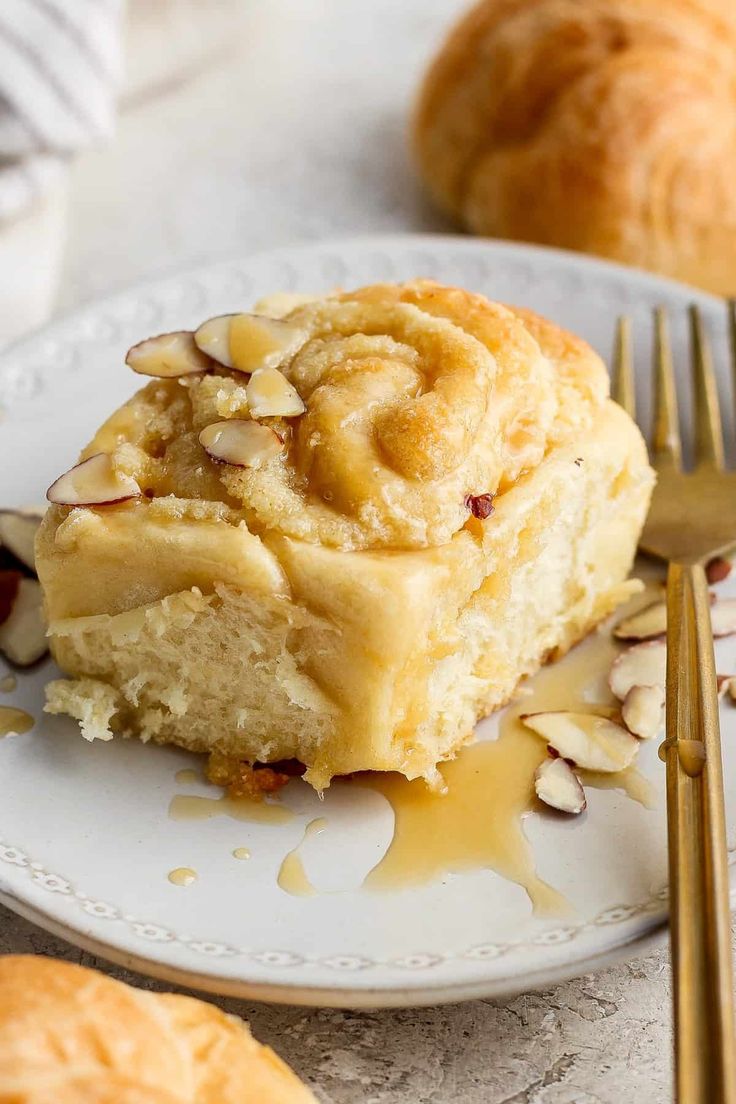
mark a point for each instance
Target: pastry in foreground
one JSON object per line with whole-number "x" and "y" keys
{"x": 69, "y": 1035}
{"x": 599, "y": 125}
{"x": 350, "y": 555}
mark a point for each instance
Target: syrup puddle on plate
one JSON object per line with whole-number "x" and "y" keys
{"x": 241, "y": 853}
{"x": 187, "y": 777}
{"x": 182, "y": 876}
{"x": 292, "y": 876}
{"x": 14, "y": 722}
{"x": 8, "y": 684}
{"x": 477, "y": 823}
{"x": 186, "y": 807}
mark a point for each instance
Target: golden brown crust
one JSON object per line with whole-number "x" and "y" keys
{"x": 69, "y": 1035}
{"x": 604, "y": 126}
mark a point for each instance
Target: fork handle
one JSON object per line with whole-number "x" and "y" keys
{"x": 705, "y": 1054}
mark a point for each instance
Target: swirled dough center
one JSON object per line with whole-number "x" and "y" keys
{"x": 417, "y": 396}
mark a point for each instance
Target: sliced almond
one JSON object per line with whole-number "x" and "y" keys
{"x": 557, "y": 785}
{"x": 718, "y": 569}
{"x": 23, "y": 632}
{"x": 242, "y": 442}
{"x": 248, "y": 342}
{"x": 643, "y": 664}
{"x": 270, "y": 395}
{"x": 647, "y": 624}
{"x": 590, "y": 741}
{"x": 213, "y": 338}
{"x": 651, "y": 622}
{"x": 723, "y": 617}
{"x": 731, "y": 686}
{"x": 168, "y": 355}
{"x": 94, "y": 482}
{"x": 643, "y": 711}
{"x": 18, "y": 530}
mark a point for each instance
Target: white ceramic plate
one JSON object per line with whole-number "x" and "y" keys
{"x": 86, "y": 842}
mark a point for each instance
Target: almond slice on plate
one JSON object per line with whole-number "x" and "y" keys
{"x": 590, "y": 741}
{"x": 94, "y": 482}
{"x": 242, "y": 442}
{"x": 651, "y": 622}
{"x": 270, "y": 395}
{"x": 557, "y": 785}
{"x": 647, "y": 624}
{"x": 23, "y": 632}
{"x": 643, "y": 711}
{"x": 248, "y": 342}
{"x": 642, "y": 664}
{"x": 723, "y": 617}
{"x": 18, "y": 530}
{"x": 168, "y": 355}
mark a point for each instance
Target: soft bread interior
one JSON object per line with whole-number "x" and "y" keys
{"x": 376, "y": 661}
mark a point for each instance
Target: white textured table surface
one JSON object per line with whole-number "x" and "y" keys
{"x": 292, "y": 126}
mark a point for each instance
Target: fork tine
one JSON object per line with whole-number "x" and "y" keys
{"x": 708, "y": 432}
{"x": 666, "y": 446}
{"x": 622, "y": 386}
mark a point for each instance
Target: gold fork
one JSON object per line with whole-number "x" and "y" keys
{"x": 692, "y": 519}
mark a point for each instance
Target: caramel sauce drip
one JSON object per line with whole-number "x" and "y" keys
{"x": 187, "y": 777}
{"x": 477, "y": 822}
{"x": 186, "y": 807}
{"x": 292, "y": 876}
{"x": 14, "y": 722}
{"x": 182, "y": 876}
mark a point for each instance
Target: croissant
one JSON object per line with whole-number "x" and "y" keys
{"x": 69, "y": 1035}
{"x": 598, "y": 125}
{"x": 348, "y": 558}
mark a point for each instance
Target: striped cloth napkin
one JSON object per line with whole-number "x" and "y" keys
{"x": 60, "y": 64}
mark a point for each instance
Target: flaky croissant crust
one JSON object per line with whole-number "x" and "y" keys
{"x": 70, "y": 1035}
{"x": 601, "y": 125}
{"x": 417, "y": 396}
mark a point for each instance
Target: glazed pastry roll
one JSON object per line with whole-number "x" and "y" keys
{"x": 343, "y": 535}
